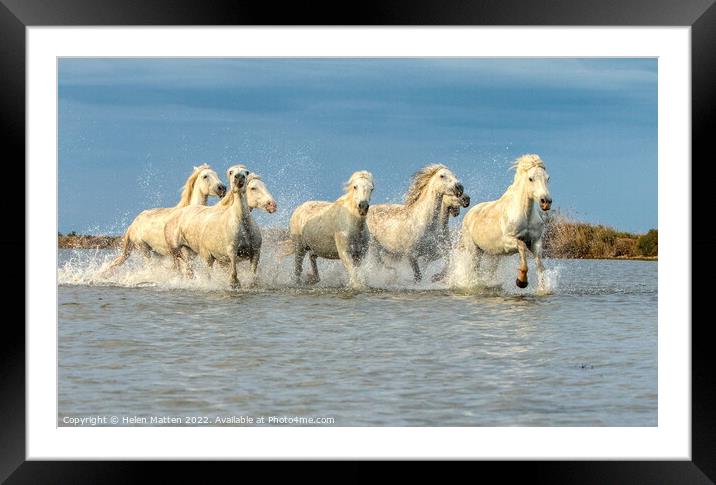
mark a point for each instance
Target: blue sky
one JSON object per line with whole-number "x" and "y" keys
{"x": 130, "y": 130}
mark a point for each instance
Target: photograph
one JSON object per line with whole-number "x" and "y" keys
{"x": 357, "y": 241}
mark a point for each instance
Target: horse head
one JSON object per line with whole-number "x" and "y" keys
{"x": 534, "y": 175}
{"x": 454, "y": 204}
{"x": 258, "y": 195}
{"x": 207, "y": 182}
{"x": 237, "y": 178}
{"x": 359, "y": 188}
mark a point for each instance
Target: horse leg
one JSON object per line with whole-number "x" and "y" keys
{"x": 233, "y": 277}
{"x": 255, "y": 256}
{"x": 299, "y": 253}
{"x": 209, "y": 259}
{"x": 313, "y": 277}
{"x": 380, "y": 256}
{"x": 488, "y": 265}
{"x": 521, "y": 281}
{"x": 181, "y": 261}
{"x": 439, "y": 276}
{"x": 146, "y": 252}
{"x": 417, "y": 276}
{"x": 342, "y": 245}
{"x": 446, "y": 267}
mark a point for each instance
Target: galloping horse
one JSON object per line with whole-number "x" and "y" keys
{"x": 411, "y": 229}
{"x": 146, "y": 232}
{"x": 333, "y": 230}
{"x": 225, "y": 232}
{"x": 511, "y": 223}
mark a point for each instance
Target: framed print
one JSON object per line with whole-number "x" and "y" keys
{"x": 431, "y": 234}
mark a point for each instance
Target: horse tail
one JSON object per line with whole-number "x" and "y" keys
{"x": 126, "y": 246}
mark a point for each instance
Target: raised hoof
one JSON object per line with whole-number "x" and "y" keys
{"x": 521, "y": 284}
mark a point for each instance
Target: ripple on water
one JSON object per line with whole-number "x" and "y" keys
{"x": 394, "y": 355}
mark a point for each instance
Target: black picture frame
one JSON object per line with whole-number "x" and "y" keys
{"x": 16, "y": 15}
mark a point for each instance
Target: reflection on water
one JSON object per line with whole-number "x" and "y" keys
{"x": 145, "y": 342}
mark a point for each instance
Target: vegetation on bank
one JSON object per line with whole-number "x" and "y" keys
{"x": 564, "y": 238}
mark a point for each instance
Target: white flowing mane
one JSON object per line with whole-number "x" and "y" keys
{"x": 420, "y": 181}
{"x": 526, "y": 162}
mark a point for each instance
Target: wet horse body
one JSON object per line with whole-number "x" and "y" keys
{"x": 414, "y": 229}
{"x": 333, "y": 230}
{"x": 514, "y": 223}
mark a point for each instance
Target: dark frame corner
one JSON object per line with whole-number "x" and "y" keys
{"x": 16, "y": 15}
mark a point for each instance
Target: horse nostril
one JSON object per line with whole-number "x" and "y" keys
{"x": 363, "y": 205}
{"x": 459, "y": 189}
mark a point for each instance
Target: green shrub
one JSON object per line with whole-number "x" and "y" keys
{"x": 648, "y": 244}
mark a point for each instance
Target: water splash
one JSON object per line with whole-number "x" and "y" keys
{"x": 91, "y": 267}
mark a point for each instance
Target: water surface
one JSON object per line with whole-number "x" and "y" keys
{"x": 147, "y": 343}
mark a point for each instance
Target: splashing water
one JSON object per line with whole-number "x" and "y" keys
{"x": 90, "y": 267}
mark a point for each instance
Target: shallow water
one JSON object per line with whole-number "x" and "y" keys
{"x": 144, "y": 342}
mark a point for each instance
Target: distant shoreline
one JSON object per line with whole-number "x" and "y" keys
{"x": 563, "y": 240}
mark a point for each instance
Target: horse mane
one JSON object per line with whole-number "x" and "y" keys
{"x": 188, "y": 188}
{"x": 527, "y": 162}
{"x": 419, "y": 182}
{"x": 362, "y": 174}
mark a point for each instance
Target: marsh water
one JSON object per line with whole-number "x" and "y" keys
{"x": 146, "y": 343}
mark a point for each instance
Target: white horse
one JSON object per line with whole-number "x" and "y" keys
{"x": 333, "y": 230}
{"x": 451, "y": 206}
{"x": 511, "y": 223}
{"x": 410, "y": 230}
{"x": 225, "y": 232}
{"x": 146, "y": 232}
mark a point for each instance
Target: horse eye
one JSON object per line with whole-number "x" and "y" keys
{"x": 206, "y": 176}
{"x": 253, "y": 188}
{"x": 442, "y": 176}
{"x": 355, "y": 187}
{"x": 531, "y": 179}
